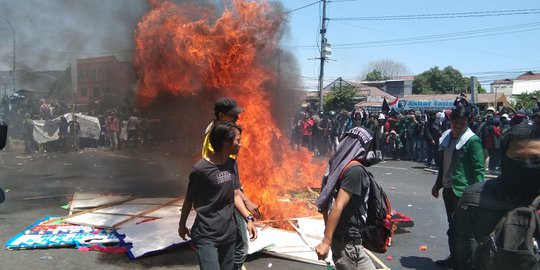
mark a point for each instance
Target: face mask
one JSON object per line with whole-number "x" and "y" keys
{"x": 521, "y": 176}
{"x": 372, "y": 158}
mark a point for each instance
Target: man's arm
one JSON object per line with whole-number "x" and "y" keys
{"x": 251, "y": 206}
{"x": 342, "y": 200}
{"x": 477, "y": 160}
{"x": 182, "y": 229}
{"x": 241, "y": 207}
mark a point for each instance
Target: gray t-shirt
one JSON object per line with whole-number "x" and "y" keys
{"x": 447, "y": 163}
{"x": 211, "y": 188}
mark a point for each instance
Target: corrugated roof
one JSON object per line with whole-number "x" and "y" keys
{"x": 527, "y": 76}
{"x": 505, "y": 81}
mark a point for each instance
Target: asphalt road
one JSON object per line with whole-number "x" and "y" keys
{"x": 160, "y": 172}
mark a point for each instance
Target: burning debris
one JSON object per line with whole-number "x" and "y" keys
{"x": 187, "y": 49}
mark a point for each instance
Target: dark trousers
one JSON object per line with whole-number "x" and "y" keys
{"x": 450, "y": 204}
{"x": 494, "y": 158}
{"x": 215, "y": 257}
{"x": 432, "y": 154}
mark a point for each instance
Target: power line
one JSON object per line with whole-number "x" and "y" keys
{"x": 440, "y": 37}
{"x": 443, "y": 15}
{"x": 308, "y": 5}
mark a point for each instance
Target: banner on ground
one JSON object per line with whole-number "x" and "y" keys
{"x": 54, "y": 232}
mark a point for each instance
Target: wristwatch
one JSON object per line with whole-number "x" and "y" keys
{"x": 250, "y": 217}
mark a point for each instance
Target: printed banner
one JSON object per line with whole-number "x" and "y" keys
{"x": 53, "y": 232}
{"x": 47, "y": 130}
{"x": 425, "y": 104}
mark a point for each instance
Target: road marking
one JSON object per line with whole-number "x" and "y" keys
{"x": 9, "y": 167}
{"x": 386, "y": 167}
{"x": 121, "y": 156}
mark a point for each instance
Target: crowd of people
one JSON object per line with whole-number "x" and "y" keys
{"x": 462, "y": 144}
{"x": 491, "y": 224}
{"x": 118, "y": 129}
{"x": 409, "y": 134}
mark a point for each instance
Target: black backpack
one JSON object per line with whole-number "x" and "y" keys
{"x": 377, "y": 231}
{"x": 514, "y": 242}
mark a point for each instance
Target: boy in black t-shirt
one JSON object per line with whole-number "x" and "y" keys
{"x": 343, "y": 200}
{"x": 213, "y": 190}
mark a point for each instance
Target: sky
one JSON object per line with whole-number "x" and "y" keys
{"x": 50, "y": 34}
{"x": 510, "y": 46}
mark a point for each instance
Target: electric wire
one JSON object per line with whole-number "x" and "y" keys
{"x": 443, "y": 15}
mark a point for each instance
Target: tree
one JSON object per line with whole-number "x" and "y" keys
{"x": 387, "y": 68}
{"x": 375, "y": 75}
{"x": 528, "y": 101}
{"x": 446, "y": 81}
{"x": 340, "y": 98}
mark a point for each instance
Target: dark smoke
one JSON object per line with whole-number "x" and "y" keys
{"x": 52, "y": 33}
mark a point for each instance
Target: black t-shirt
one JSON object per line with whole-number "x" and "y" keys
{"x": 211, "y": 188}
{"x": 352, "y": 219}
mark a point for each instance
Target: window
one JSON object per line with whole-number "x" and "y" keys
{"x": 97, "y": 92}
{"x": 84, "y": 92}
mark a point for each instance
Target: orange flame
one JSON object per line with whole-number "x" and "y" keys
{"x": 184, "y": 48}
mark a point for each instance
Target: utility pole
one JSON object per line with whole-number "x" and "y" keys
{"x": 325, "y": 52}
{"x": 473, "y": 90}
{"x": 13, "y": 71}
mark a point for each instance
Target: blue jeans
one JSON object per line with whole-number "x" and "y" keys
{"x": 410, "y": 144}
{"x": 421, "y": 147}
{"x": 215, "y": 257}
{"x": 241, "y": 245}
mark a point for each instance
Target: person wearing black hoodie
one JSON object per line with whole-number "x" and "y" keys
{"x": 518, "y": 184}
{"x": 343, "y": 200}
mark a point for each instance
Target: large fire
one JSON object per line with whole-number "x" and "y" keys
{"x": 189, "y": 49}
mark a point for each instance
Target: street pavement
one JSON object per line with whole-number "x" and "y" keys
{"x": 38, "y": 185}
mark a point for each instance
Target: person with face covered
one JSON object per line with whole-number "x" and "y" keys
{"x": 344, "y": 202}
{"x": 518, "y": 185}
{"x": 460, "y": 151}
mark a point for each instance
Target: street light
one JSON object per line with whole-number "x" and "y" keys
{"x": 13, "y": 71}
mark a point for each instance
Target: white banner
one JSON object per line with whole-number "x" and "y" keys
{"x": 47, "y": 130}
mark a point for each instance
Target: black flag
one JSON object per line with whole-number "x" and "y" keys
{"x": 385, "y": 107}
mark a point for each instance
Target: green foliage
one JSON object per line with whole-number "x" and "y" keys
{"x": 375, "y": 75}
{"x": 480, "y": 89}
{"x": 338, "y": 99}
{"x": 527, "y": 100}
{"x": 436, "y": 81}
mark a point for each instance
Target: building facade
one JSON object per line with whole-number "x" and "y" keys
{"x": 102, "y": 77}
{"x": 527, "y": 82}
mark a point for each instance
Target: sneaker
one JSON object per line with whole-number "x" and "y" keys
{"x": 447, "y": 263}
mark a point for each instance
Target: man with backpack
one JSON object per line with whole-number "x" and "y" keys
{"x": 496, "y": 225}
{"x": 346, "y": 193}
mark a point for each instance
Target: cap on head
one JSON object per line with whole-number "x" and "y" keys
{"x": 227, "y": 106}
{"x": 490, "y": 109}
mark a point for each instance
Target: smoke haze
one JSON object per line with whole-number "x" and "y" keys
{"x": 52, "y": 33}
